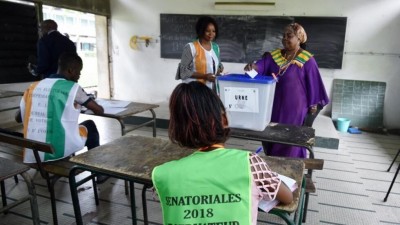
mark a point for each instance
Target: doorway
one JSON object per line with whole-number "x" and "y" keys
{"x": 88, "y": 32}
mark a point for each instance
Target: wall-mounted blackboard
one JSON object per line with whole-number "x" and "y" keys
{"x": 245, "y": 38}
{"x": 18, "y": 38}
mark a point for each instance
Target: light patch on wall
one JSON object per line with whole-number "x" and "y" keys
{"x": 244, "y": 5}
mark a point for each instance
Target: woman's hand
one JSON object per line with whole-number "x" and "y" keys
{"x": 220, "y": 69}
{"x": 210, "y": 77}
{"x": 250, "y": 66}
{"x": 313, "y": 109}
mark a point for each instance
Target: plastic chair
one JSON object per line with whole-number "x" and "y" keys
{"x": 395, "y": 175}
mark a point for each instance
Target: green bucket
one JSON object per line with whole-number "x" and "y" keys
{"x": 343, "y": 124}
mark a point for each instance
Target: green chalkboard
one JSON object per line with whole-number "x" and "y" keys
{"x": 245, "y": 38}
{"x": 360, "y": 101}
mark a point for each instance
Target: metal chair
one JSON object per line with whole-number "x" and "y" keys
{"x": 51, "y": 171}
{"x": 9, "y": 169}
{"x": 395, "y": 175}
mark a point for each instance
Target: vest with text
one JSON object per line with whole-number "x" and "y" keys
{"x": 49, "y": 115}
{"x": 206, "y": 187}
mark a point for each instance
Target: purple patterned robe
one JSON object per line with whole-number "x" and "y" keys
{"x": 298, "y": 88}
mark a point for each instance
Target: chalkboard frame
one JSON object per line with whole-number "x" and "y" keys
{"x": 244, "y": 38}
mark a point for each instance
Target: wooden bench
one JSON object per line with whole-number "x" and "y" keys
{"x": 11, "y": 148}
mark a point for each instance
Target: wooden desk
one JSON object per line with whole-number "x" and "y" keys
{"x": 292, "y": 168}
{"x": 132, "y": 109}
{"x": 282, "y": 134}
{"x": 9, "y": 94}
{"x": 133, "y": 158}
{"x": 302, "y": 136}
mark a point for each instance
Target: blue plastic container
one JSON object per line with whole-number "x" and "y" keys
{"x": 354, "y": 130}
{"x": 343, "y": 124}
{"x": 248, "y": 101}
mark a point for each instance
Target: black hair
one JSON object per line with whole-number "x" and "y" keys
{"x": 69, "y": 60}
{"x": 49, "y": 24}
{"x": 197, "y": 116}
{"x": 202, "y": 24}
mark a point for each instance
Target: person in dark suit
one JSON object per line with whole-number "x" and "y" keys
{"x": 49, "y": 48}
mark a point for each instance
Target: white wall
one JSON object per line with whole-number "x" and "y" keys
{"x": 372, "y": 49}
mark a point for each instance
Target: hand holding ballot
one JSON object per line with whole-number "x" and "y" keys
{"x": 251, "y": 66}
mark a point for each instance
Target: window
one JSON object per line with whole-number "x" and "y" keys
{"x": 87, "y": 46}
{"x": 59, "y": 19}
{"x": 70, "y": 20}
{"x": 84, "y": 22}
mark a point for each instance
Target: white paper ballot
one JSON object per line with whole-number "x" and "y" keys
{"x": 252, "y": 73}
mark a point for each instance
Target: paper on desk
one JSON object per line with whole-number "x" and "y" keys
{"x": 266, "y": 206}
{"x": 252, "y": 73}
{"x": 291, "y": 183}
{"x": 112, "y": 103}
{"x": 112, "y": 110}
{"x": 107, "y": 110}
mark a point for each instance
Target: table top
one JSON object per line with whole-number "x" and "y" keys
{"x": 7, "y": 94}
{"x": 279, "y": 133}
{"x": 9, "y": 168}
{"x": 134, "y": 157}
{"x": 131, "y": 109}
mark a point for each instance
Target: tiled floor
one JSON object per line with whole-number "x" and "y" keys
{"x": 350, "y": 188}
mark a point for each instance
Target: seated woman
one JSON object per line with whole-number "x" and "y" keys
{"x": 214, "y": 184}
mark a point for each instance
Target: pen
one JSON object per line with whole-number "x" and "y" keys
{"x": 259, "y": 149}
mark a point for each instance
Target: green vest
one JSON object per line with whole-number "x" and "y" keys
{"x": 216, "y": 50}
{"x": 206, "y": 188}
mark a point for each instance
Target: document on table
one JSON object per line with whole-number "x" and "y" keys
{"x": 111, "y": 106}
{"x": 268, "y": 205}
{"x": 109, "y": 110}
{"x": 112, "y": 103}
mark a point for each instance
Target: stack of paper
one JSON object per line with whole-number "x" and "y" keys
{"x": 112, "y": 103}
{"x": 112, "y": 106}
{"x": 268, "y": 205}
